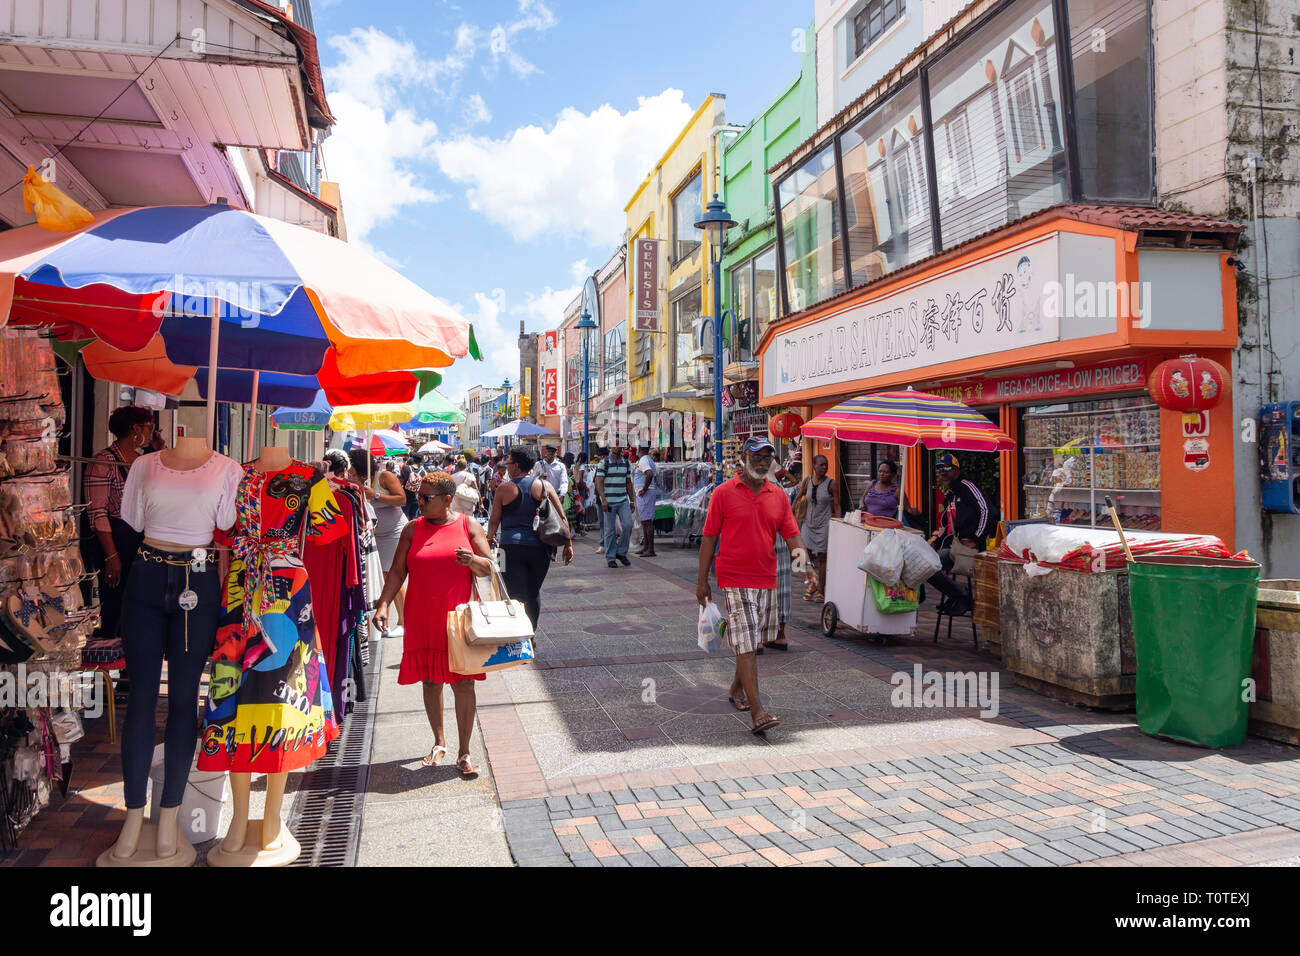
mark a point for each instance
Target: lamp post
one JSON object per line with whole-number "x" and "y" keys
{"x": 586, "y": 325}
{"x": 505, "y": 412}
{"x": 715, "y": 222}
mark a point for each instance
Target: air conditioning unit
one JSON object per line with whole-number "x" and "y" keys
{"x": 702, "y": 339}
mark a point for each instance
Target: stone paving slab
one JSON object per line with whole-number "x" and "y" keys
{"x": 848, "y": 779}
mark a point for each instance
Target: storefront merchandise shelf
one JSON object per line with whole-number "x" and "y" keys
{"x": 1094, "y": 411}
{"x": 1087, "y": 449}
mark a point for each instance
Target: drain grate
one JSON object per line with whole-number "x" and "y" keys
{"x": 326, "y": 816}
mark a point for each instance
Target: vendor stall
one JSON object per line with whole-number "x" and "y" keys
{"x": 1063, "y": 596}
{"x": 849, "y": 597}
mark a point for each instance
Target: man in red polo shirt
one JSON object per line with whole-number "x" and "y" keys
{"x": 745, "y": 516}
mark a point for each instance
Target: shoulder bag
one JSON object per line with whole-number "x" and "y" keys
{"x": 801, "y": 503}
{"x": 497, "y": 620}
{"x": 550, "y": 524}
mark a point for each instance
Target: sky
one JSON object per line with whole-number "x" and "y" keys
{"x": 486, "y": 149}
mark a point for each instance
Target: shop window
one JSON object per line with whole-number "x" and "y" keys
{"x": 765, "y": 310}
{"x": 644, "y": 358}
{"x": 887, "y": 195}
{"x": 810, "y": 227}
{"x": 1112, "y": 98}
{"x": 871, "y": 22}
{"x": 687, "y": 208}
{"x": 1075, "y": 454}
{"x": 615, "y": 359}
{"x": 742, "y": 308}
{"x": 686, "y": 315}
{"x": 995, "y": 108}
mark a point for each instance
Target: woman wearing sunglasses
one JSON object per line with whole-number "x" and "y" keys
{"x": 443, "y": 552}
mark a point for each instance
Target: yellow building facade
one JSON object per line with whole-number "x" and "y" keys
{"x": 669, "y": 373}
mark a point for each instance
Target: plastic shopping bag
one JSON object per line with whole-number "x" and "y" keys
{"x": 882, "y": 558}
{"x": 712, "y": 635}
{"x": 920, "y": 561}
{"x": 893, "y": 600}
{"x": 55, "y": 210}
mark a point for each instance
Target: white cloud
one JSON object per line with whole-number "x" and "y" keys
{"x": 533, "y": 16}
{"x": 572, "y": 179}
{"x": 580, "y": 270}
{"x": 475, "y": 111}
{"x": 498, "y": 339}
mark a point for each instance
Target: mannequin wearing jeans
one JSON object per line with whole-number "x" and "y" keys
{"x": 170, "y": 608}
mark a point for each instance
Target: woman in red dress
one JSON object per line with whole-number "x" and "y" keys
{"x": 443, "y": 552}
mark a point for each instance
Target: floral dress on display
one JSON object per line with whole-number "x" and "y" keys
{"x": 269, "y": 705}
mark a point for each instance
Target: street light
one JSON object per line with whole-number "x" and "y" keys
{"x": 585, "y": 326}
{"x": 715, "y": 222}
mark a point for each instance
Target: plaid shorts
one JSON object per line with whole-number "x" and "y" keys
{"x": 751, "y": 617}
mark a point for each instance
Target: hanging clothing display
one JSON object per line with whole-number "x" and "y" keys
{"x": 270, "y": 709}
{"x": 334, "y": 566}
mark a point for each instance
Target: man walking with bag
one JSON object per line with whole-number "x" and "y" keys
{"x": 614, "y": 492}
{"x": 745, "y": 517}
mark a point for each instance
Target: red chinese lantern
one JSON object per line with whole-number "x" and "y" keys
{"x": 785, "y": 425}
{"x": 1188, "y": 383}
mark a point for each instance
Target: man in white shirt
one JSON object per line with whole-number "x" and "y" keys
{"x": 553, "y": 470}
{"x": 646, "y": 498}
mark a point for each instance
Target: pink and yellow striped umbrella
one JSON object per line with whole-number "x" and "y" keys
{"x": 909, "y": 418}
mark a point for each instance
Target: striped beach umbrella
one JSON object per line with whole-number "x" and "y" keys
{"x": 909, "y": 418}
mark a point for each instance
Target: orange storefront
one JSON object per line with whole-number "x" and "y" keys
{"x": 1050, "y": 326}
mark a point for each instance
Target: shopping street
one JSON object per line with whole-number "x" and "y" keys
{"x": 583, "y": 769}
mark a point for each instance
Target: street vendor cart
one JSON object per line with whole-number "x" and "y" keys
{"x": 849, "y": 600}
{"x": 905, "y": 419}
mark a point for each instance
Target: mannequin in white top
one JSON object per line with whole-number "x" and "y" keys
{"x": 271, "y": 845}
{"x": 166, "y": 505}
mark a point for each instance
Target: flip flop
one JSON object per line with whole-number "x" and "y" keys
{"x": 25, "y": 618}
{"x": 738, "y": 706}
{"x": 465, "y": 765}
{"x": 434, "y": 755}
{"x": 766, "y": 724}
{"x": 782, "y": 646}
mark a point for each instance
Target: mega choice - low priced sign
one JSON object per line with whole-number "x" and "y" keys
{"x": 992, "y": 305}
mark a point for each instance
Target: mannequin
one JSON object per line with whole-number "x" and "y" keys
{"x": 270, "y": 709}
{"x": 176, "y": 499}
{"x": 258, "y": 842}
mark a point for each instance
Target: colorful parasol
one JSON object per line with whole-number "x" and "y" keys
{"x": 909, "y": 418}
{"x": 382, "y": 443}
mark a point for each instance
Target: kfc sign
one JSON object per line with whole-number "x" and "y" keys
{"x": 645, "y": 284}
{"x": 551, "y": 391}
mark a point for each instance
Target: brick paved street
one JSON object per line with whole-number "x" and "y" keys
{"x": 594, "y": 767}
{"x": 618, "y": 749}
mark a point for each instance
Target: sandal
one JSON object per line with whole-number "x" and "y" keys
{"x": 810, "y": 593}
{"x": 738, "y": 705}
{"x": 765, "y": 723}
{"x": 436, "y": 754}
{"x": 466, "y": 766}
{"x": 778, "y": 646}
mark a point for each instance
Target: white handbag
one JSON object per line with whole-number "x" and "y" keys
{"x": 498, "y": 620}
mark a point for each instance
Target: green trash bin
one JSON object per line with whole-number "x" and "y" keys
{"x": 1193, "y": 631}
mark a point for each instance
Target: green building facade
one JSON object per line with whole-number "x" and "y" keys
{"x": 750, "y": 265}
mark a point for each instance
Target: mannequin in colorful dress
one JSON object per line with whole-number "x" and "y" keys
{"x": 269, "y": 709}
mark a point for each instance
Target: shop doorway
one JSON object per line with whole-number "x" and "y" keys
{"x": 982, "y": 468}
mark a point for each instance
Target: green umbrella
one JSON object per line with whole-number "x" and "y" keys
{"x": 433, "y": 407}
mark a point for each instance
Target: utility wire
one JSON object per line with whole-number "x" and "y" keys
{"x": 100, "y": 115}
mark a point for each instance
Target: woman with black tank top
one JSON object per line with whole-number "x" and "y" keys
{"x": 513, "y": 508}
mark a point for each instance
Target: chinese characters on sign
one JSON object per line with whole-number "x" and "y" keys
{"x": 992, "y": 305}
{"x": 645, "y": 279}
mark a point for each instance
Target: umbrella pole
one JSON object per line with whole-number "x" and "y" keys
{"x": 252, "y": 417}
{"x": 213, "y": 332}
{"x": 902, "y": 479}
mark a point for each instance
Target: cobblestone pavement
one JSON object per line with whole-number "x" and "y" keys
{"x": 618, "y": 749}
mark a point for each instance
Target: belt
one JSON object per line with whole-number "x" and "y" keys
{"x": 256, "y": 556}
{"x": 176, "y": 559}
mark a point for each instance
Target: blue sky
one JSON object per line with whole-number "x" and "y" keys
{"x": 487, "y": 149}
